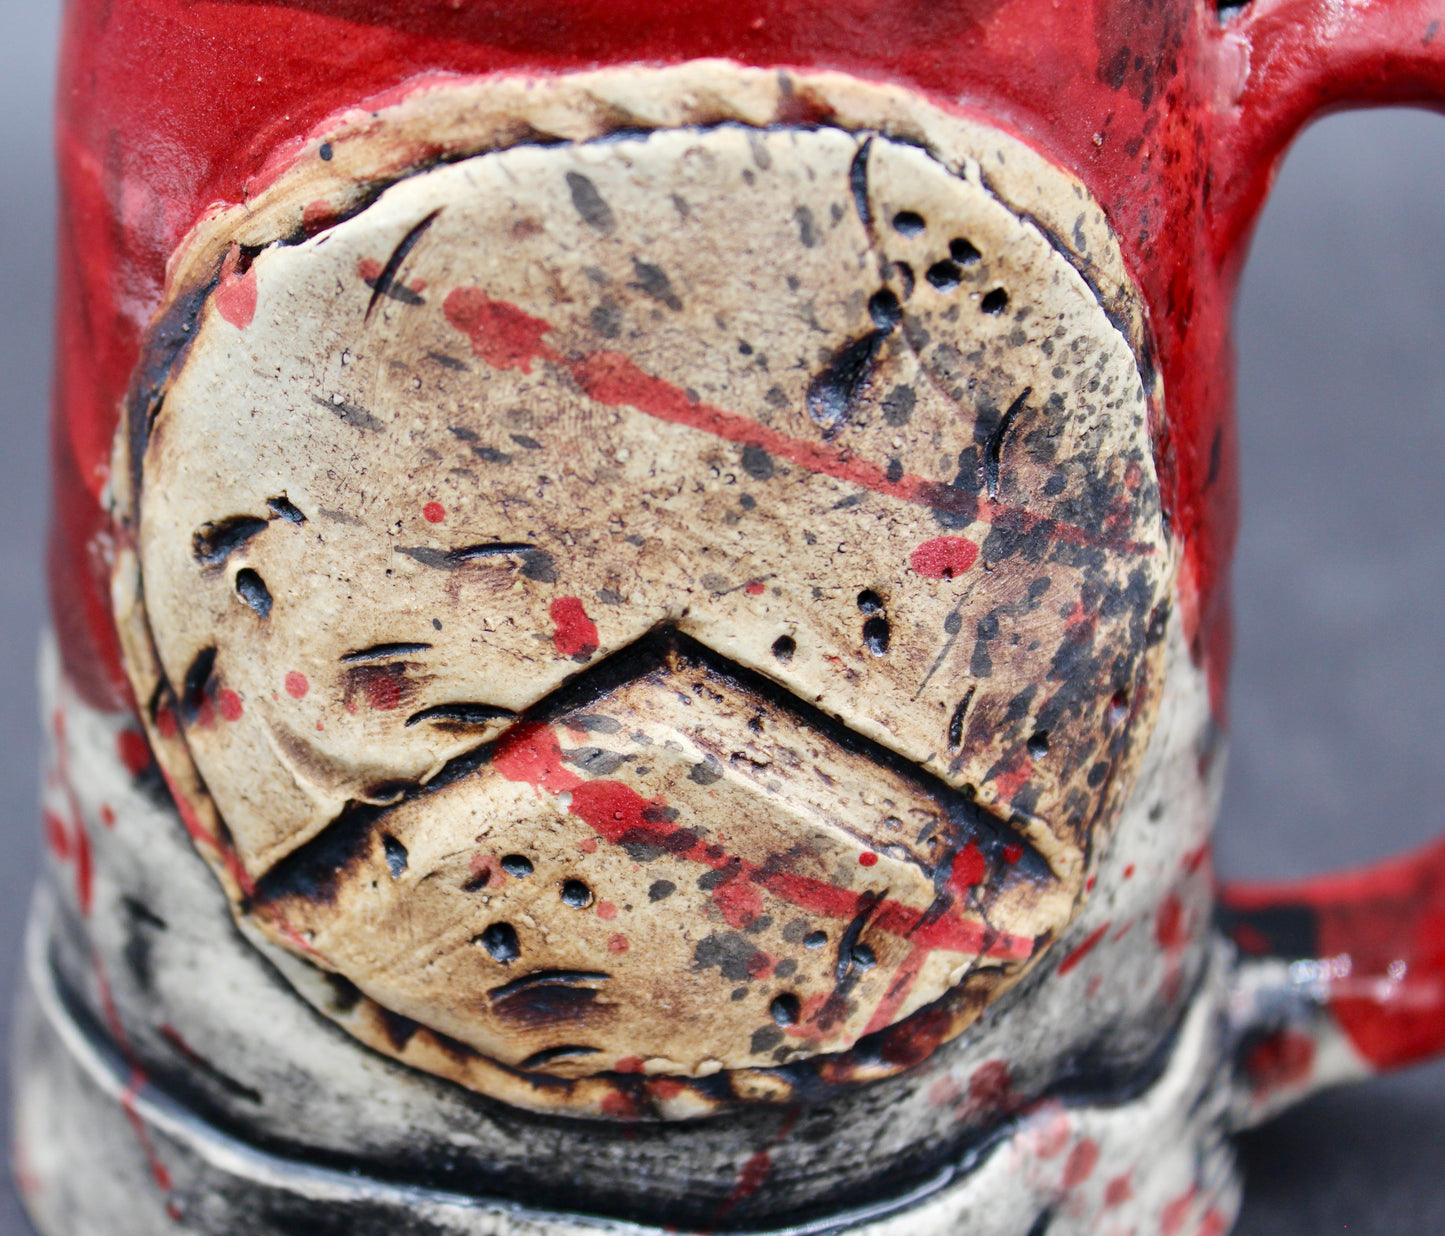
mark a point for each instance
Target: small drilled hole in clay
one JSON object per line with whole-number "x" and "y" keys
{"x": 995, "y": 302}
{"x": 1039, "y": 744}
{"x": 870, "y": 602}
{"x": 500, "y": 940}
{"x": 517, "y": 865}
{"x": 252, "y": 589}
{"x": 784, "y": 647}
{"x": 955, "y": 723}
{"x": 963, "y": 251}
{"x": 864, "y": 957}
{"x": 382, "y": 652}
{"x": 884, "y": 309}
{"x": 213, "y": 543}
{"x": 197, "y": 677}
{"x": 875, "y": 636}
{"x": 815, "y": 939}
{"x": 395, "y": 856}
{"x": 284, "y": 508}
{"x": 576, "y": 894}
{"x": 908, "y": 223}
{"x": 785, "y": 1009}
{"x": 945, "y": 275}
{"x": 1118, "y": 707}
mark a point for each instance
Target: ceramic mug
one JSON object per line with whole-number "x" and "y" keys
{"x": 640, "y": 605}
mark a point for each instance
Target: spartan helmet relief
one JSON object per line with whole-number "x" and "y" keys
{"x": 659, "y": 620}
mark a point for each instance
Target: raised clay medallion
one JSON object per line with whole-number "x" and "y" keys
{"x": 660, "y": 618}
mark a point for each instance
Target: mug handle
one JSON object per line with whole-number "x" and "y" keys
{"x": 1341, "y": 975}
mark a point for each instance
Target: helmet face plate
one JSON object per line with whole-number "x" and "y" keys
{"x": 669, "y": 607}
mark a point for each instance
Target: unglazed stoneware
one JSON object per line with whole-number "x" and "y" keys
{"x": 641, "y": 618}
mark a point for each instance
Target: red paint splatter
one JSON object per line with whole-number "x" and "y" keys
{"x": 1118, "y": 1191}
{"x": 503, "y": 335}
{"x": 759, "y": 965}
{"x": 508, "y": 337}
{"x": 1169, "y": 926}
{"x": 235, "y": 296}
{"x": 619, "y": 1105}
{"x": 434, "y": 512}
{"x": 317, "y": 216}
{"x": 991, "y": 1088}
{"x": 134, "y": 751}
{"x": 1251, "y": 941}
{"x": 606, "y": 911}
{"x": 1214, "y": 1224}
{"x": 914, "y": 1039}
{"x": 1083, "y": 1158}
{"x": 297, "y": 685}
{"x": 1171, "y": 1219}
{"x": 628, "y": 1064}
{"x": 531, "y": 753}
{"x": 755, "y": 1171}
{"x": 84, "y": 870}
{"x": 944, "y": 557}
{"x": 867, "y": 859}
{"x": 488, "y": 866}
{"x": 57, "y": 838}
{"x": 1011, "y": 773}
{"x": 576, "y": 634}
{"x": 968, "y": 869}
{"x": 945, "y": 1092}
{"x": 617, "y": 943}
{"x": 588, "y": 845}
{"x": 1195, "y": 859}
{"x": 166, "y": 724}
{"x": 740, "y": 902}
{"x": 1053, "y": 1136}
{"x": 1284, "y": 1059}
{"x": 383, "y": 692}
{"x": 750, "y": 1179}
{"x": 199, "y": 834}
{"x": 1129, "y": 872}
{"x": 755, "y": 589}
{"x": 1012, "y": 854}
{"x": 159, "y": 1172}
{"x": 1083, "y": 950}
{"x": 107, "y": 815}
{"x": 230, "y": 705}
{"x": 665, "y": 1088}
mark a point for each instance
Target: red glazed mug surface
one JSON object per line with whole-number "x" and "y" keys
{"x": 649, "y": 588}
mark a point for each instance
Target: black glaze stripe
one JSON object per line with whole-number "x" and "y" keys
{"x": 336, "y": 1180}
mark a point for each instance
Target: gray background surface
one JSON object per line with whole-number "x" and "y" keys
{"x": 1340, "y": 580}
